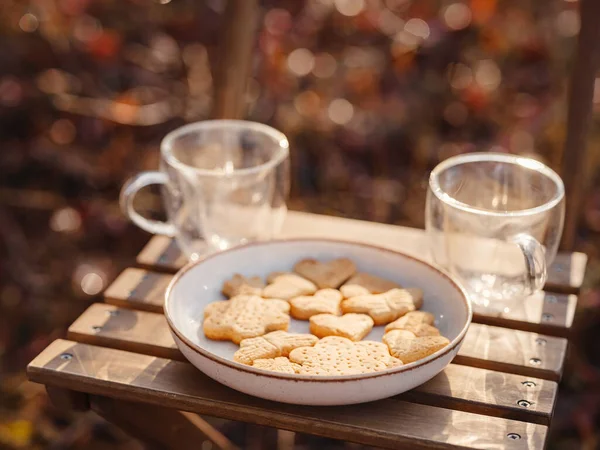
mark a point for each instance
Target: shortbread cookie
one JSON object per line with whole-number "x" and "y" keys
{"x": 364, "y": 284}
{"x": 386, "y": 307}
{"x": 351, "y": 326}
{"x": 271, "y": 345}
{"x": 240, "y": 285}
{"x": 278, "y": 364}
{"x": 287, "y": 285}
{"x": 335, "y": 355}
{"x": 245, "y": 316}
{"x": 420, "y": 323}
{"x": 407, "y": 347}
{"x": 329, "y": 274}
{"x": 325, "y": 301}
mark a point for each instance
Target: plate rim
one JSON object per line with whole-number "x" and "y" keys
{"x": 319, "y": 378}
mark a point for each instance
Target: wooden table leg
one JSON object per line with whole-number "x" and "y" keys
{"x": 161, "y": 428}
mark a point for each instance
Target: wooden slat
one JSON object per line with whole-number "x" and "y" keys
{"x": 544, "y": 313}
{"x": 138, "y": 289}
{"x": 488, "y": 347}
{"x": 514, "y": 351}
{"x": 161, "y": 253}
{"x": 389, "y": 423}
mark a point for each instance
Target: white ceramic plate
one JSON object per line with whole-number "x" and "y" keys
{"x": 200, "y": 283}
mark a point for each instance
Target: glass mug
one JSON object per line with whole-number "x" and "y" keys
{"x": 494, "y": 221}
{"x": 224, "y": 183}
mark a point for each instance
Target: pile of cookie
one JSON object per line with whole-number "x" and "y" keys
{"x": 342, "y": 306}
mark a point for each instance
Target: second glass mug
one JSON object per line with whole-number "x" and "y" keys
{"x": 494, "y": 221}
{"x": 224, "y": 183}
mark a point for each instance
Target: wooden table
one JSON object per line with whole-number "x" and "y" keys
{"x": 499, "y": 392}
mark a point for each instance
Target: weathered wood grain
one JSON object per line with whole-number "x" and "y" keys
{"x": 389, "y": 423}
{"x": 466, "y": 388}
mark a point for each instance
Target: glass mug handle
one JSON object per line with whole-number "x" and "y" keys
{"x": 535, "y": 261}
{"x": 128, "y": 192}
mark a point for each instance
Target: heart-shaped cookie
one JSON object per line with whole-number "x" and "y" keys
{"x": 240, "y": 285}
{"x": 386, "y": 307}
{"x": 351, "y": 326}
{"x": 272, "y": 345}
{"x": 407, "y": 347}
{"x": 330, "y": 274}
{"x": 420, "y": 323}
{"x": 243, "y": 317}
{"x": 325, "y": 301}
{"x": 336, "y": 355}
{"x": 287, "y": 285}
{"x": 364, "y": 284}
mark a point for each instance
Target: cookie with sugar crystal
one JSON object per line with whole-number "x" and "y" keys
{"x": 387, "y": 307}
{"x": 350, "y": 326}
{"x": 272, "y": 345}
{"x": 245, "y": 316}
{"x": 336, "y": 355}
{"x": 364, "y": 284}
{"x": 420, "y": 323}
{"x": 241, "y": 285}
{"x": 330, "y": 274}
{"x": 325, "y": 301}
{"x": 279, "y": 364}
{"x": 285, "y": 286}
{"x": 407, "y": 347}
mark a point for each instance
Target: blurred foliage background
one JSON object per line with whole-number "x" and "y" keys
{"x": 371, "y": 93}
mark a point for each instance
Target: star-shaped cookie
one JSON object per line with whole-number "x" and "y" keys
{"x": 245, "y": 316}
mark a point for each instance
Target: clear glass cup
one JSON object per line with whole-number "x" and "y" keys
{"x": 494, "y": 221}
{"x": 224, "y": 183}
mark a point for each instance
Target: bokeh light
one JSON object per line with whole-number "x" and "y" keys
{"x": 89, "y": 279}
{"x": 340, "y": 111}
{"x": 29, "y": 23}
{"x": 417, "y": 27}
{"x": 65, "y": 220}
{"x": 325, "y": 65}
{"x": 567, "y": 23}
{"x": 62, "y": 132}
{"x": 301, "y": 62}
{"x": 488, "y": 75}
{"x": 457, "y": 16}
{"x": 461, "y": 76}
{"x": 307, "y": 103}
{"x": 87, "y": 28}
{"x": 92, "y": 283}
{"x": 349, "y": 7}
